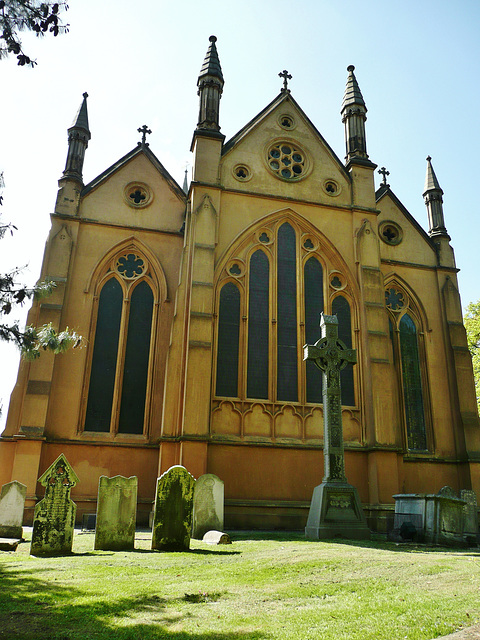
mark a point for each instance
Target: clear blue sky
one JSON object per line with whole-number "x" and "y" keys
{"x": 416, "y": 64}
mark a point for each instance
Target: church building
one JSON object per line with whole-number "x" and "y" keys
{"x": 195, "y": 303}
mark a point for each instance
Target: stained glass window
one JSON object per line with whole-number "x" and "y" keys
{"x": 412, "y": 385}
{"x": 287, "y": 388}
{"x": 258, "y": 326}
{"x": 228, "y": 341}
{"x": 134, "y": 387}
{"x": 341, "y": 309}
{"x": 104, "y": 361}
{"x": 313, "y": 286}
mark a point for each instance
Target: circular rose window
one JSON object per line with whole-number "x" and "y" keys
{"x": 287, "y": 160}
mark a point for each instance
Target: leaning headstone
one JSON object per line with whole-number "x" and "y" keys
{"x": 470, "y": 510}
{"x": 216, "y": 537}
{"x": 172, "y": 521}
{"x": 116, "y": 513}
{"x": 335, "y": 510}
{"x": 207, "y": 505}
{"x": 54, "y": 516}
{"x": 12, "y": 504}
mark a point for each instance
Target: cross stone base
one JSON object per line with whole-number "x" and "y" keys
{"x": 336, "y": 512}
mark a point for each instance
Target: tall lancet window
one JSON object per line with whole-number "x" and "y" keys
{"x": 409, "y": 359}
{"x": 118, "y": 385}
{"x": 270, "y": 294}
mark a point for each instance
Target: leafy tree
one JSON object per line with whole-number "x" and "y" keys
{"x": 27, "y": 15}
{"x": 32, "y": 340}
{"x": 472, "y": 325}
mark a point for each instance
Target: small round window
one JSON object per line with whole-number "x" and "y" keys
{"x": 137, "y": 195}
{"x": 287, "y": 161}
{"x": 242, "y": 172}
{"x": 391, "y": 232}
{"x": 286, "y": 122}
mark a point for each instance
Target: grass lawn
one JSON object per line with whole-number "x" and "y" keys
{"x": 263, "y": 586}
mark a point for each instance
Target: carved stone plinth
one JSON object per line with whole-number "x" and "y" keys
{"x": 336, "y": 512}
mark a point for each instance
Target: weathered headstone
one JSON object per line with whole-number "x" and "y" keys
{"x": 470, "y": 510}
{"x": 54, "y": 516}
{"x": 207, "y": 505}
{"x": 12, "y": 504}
{"x": 116, "y": 513}
{"x": 335, "y": 510}
{"x": 172, "y": 521}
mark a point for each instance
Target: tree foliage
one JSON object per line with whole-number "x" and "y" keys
{"x": 31, "y": 340}
{"x": 472, "y": 325}
{"x": 27, "y": 15}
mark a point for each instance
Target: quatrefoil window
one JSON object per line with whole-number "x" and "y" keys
{"x": 394, "y": 299}
{"x": 130, "y": 266}
{"x": 137, "y": 195}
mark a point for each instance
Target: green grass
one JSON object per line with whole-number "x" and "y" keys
{"x": 263, "y": 586}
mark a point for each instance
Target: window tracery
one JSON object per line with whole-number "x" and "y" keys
{"x": 117, "y": 384}
{"x": 280, "y": 293}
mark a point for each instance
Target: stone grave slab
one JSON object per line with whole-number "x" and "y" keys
{"x": 216, "y": 537}
{"x": 12, "y": 504}
{"x": 116, "y": 513}
{"x": 208, "y": 500}
{"x": 442, "y": 515}
{"x": 172, "y": 521}
{"x": 54, "y": 516}
{"x": 335, "y": 509}
{"x": 9, "y": 544}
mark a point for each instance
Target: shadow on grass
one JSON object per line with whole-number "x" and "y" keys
{"x": 35, "y": 609}
{"x": 378, "y": 541}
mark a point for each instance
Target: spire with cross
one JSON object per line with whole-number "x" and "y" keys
{"x": 144, "y": 130}
{"x": 286, "y": 77}
{"x": 384, "y": 173}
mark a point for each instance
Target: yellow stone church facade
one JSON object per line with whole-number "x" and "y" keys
{"x": 195, "y": 303}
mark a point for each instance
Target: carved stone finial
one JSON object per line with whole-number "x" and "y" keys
{"x": 286, "y": 77}
{"x": 144, "y": 130}
{"x": 384, "y": 173}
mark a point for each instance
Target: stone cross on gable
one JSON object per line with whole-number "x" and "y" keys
{"x": 286, "y": 77}
{"x": 144, "y": 130}
{"x": 331, "y": 356}
{"x": 384, "y": 173}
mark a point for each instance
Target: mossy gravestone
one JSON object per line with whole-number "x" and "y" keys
{"x": 12, "y": 504}
{"x": 172, "y": 521}
{"x": 54, "y": 517}
{"x": 207, "y": 505}
{"x": 116, "y": 513}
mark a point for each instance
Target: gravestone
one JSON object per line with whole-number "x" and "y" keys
{"x": 12, "y": 504}
{"x": 470, "y": 510}
{"x": 172, "y": 520}
{"x": 54, "y": 516}
{"x": 207, "y": 505}
{"x": 116, "y": 513}
{"x": 335, "y": 510}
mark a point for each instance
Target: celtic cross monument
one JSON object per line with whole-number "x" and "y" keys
{"x": 335, "y": 510}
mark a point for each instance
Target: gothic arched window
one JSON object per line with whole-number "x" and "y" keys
{"x": 408, "y": 358}
{"x": 118, "y": 384}
{"x": 228, "y": 337}
{"x": 280, "y": 289}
